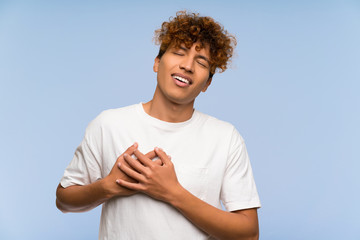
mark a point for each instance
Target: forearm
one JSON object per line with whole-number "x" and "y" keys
{"x": 83, "y": 198}
{"x": 79, "y": 198}
{"x": 214, "y": 221}
{"x": 160, "y": 182}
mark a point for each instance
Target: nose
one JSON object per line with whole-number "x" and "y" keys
{"x": 187, "y": 64}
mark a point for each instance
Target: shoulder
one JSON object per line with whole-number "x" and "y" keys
{"x": 219, "y": 127}
{"x": 111, "y": 114}
{"x": 215, "y": 123}
{"x": 112, "y": 117}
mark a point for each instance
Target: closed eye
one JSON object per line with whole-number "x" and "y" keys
{"x": 202, "y": 64}
{"x": 178, "y": 53}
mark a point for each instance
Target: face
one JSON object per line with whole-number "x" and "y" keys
{"x": 183, "y": 73}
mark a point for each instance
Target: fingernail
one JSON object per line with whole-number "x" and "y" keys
{"x": 135, "y": 144}
{"x": 119, "y": 164}
{"x": 125, "y": 154}
{"x": 117, "y": 181}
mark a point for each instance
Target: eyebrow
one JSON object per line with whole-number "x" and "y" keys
{"x": 198, "y": 55}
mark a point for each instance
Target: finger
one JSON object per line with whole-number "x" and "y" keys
{"x": 131, "y": 149}
{"x": 131, "y": 172}
{"x": 129, "y": 185}
{"x": 143, "y": 159}
{"x": 151, "y": 154}
{"x": 134, "y": 163}
{"x": 158, "y": 162}
{"x": 163, "y": 156}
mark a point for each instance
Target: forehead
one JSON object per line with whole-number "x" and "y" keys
{"x": 201, "y": 48}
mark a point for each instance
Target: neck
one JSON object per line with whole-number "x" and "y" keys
{"x": 163, "y": 109}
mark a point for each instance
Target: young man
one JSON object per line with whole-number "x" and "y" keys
{"x": 172, "y": 192}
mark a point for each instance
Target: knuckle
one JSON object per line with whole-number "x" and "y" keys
{"x": 120, "y": 160}
{"x": 148, "y": 174}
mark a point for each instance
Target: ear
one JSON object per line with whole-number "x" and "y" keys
{"x": 156, "y": 64}
{"x": 207, "y": 85}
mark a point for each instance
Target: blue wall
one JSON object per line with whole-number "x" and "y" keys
{"x": 292, "y": 92}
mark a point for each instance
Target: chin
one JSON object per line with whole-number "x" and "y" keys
{"x": 178, "y": 101}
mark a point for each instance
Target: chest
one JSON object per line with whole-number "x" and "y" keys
{"x": 199, "y": 156}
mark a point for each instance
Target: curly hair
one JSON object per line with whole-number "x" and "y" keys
{"x": 188, "y": 28}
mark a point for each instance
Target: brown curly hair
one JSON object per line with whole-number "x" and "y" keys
{"x": 188, "y": 28}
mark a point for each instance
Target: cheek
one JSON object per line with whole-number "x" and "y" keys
{"x": 162, "y": 68}
{"x": 162, "y": 74}
{"x": 205, "y": 78}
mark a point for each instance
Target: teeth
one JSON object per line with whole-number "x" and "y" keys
{"x": 182, "y": 79}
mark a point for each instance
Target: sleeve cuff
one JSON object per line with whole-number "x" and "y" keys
{"x": 234, "y": 206}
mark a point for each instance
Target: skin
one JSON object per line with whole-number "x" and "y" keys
{"x": 157, "y": 179}
{"x": 80, "y": 198}
{"x": 172, "y": 103}
{"x": 175, "y": 104}
{"x": 160, "y": 182}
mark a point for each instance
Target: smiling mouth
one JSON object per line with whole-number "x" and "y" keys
{"x": 181, "y": 79}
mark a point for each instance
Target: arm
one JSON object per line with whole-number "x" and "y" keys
{"x": 80, "y": 198}
{"x": 242, "y": 224}
{"x": 160, "y": 182}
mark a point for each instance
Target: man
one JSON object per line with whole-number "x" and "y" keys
{"x": 172, "y": 192}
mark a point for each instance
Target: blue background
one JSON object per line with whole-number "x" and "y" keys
{"x": 292, "y": 92}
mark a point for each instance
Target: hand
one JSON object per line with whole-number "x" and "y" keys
{"x": 110, "y": 185}
{"x": 157, "y": 181}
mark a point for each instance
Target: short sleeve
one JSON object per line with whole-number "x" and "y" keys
{"x": 85, "y": 166}
{"x": 238, "y": 189}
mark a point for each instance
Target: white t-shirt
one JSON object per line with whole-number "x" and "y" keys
{"x": 210, "y": 160}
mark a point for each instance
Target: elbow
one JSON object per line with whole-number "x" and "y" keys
{"x": 254, "y": 237}
{"x": 252, "y": 226}
{"x": 61, "y": 207}
{"x": 59, "y": 204}
{"x": 255, "y": 233}
{"x": 252, "y": 233}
